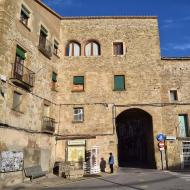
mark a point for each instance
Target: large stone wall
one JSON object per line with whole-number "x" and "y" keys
{"x": 148, "y": 79}
{"x": 175, "y": 76}
{"x": 25, "y": 126}
{"x": 140, "y": 64}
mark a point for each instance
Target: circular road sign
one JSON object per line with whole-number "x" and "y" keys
{"x": 160, "y": 137}
{"x": 161, "y": 144}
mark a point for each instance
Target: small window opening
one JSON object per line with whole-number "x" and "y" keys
{"x": 24, "y": 15}
{"x": 173, "y": 95}
{"x": 78, "y": 114}
{"x": 118, "y": 48}
{"x": 78, "y": 83}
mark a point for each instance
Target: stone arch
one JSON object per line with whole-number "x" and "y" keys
{"x": 134, "y": 129}
{"x": 92, "y": 48}
{"x": 73, "y": 48}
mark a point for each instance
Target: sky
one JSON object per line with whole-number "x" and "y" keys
{"x": 173, "y": 17}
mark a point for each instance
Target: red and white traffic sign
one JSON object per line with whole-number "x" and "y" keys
{"x": 161, "y": 144}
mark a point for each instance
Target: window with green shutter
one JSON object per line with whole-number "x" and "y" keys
{"x": 78, "y": 84}
{"x": 20, "y": 52}
{"x": 119, "y": 82}
{"x": 54, "y": 77}
{"x": 78, "y": 80}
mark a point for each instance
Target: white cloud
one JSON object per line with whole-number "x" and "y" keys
{"x": 168, "y": 21}
{"x": 171, "y": 23}
{"x": 184, "y": 46}
{"x": 174, "y": 46}
{"x": 186, "y": 18}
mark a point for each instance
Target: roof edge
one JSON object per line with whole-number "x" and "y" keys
{"x": 176, "y": 58}
{"x": 48, "y": 9}
{"x": 107, "y": 17}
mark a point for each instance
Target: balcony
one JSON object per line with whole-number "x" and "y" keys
{"x": 45, "y": 47}
{"x": 22, "y": 76}
{"x": 48, "y": 125}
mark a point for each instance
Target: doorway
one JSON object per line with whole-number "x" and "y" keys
{"x": 135, "y": 139}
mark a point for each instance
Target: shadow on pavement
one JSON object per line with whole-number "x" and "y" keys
{"x": 112, "y": 184}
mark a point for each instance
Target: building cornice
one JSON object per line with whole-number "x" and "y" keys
{"x": 107, "y": 17}
{"x": 48, "y": 9}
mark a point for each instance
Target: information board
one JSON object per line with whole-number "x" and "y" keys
{"x": 11, "y": 161}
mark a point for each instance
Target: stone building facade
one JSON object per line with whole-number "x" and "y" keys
{"x": 69, "y": 84}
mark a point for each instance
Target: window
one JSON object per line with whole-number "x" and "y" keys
{"x": 92, "y": 49}
{"x": 54, "y": 77}
{"x": 119, "y": 82}
{"x": 24, "y": 76}
{"x": 173, "y": 95}
{"x": 19, "y": 62}
{"x": 55, "y": 47}
{"x": 78, "y": 114}
{"x": 78, "y": 83}
{"x": 54, "y": 80}
{"x": 183, "y": 125}
{"x": 24, "y": 15}
{"x": 45, "y": 46}
{"x": 16, "y": 101}
{"x": 43, "y": 36}
{"x": 73, "y": 49}
{"x": 118, "y": 48}
{"x": 46, "y": 110}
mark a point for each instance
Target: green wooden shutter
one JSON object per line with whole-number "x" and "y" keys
{"x": 78, "y": 80}
{"x": 20, "y": 52}
{"x": 54, "y": 77}
{"x": 119, "y": 82}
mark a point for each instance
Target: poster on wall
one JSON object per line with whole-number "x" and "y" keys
{"x": 11, "y": 161}
{"x": 76, "y": 153}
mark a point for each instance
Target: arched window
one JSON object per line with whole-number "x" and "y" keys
{"x": 92, "y": 49}
{"x": 73, "y": 49}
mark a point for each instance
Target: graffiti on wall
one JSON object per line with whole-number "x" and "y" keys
{"x": 11, "y": 161}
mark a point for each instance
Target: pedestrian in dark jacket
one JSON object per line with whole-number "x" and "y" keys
{"x": 102, "y": 165}
{"x": 111, "y": 162}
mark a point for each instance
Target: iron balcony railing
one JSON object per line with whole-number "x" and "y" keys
{"x": 48, "y": 125}
{"x": 45, "y": 46}
{"x": 23, "y": 74}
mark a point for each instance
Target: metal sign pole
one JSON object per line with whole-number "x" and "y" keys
{"x": 161, "y": 159}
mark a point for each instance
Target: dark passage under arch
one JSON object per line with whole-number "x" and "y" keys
{"x": 135, "y": 139}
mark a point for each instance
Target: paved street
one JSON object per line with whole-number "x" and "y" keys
{"x": 136, "y": 179}
{"x": 128, "y": 179}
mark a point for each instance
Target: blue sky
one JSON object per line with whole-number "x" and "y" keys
{"x": 173, "y": 17}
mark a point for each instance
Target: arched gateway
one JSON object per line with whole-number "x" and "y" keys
{"x": 135, "y": 139}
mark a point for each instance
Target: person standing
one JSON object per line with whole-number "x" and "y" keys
{"x": 102, "y": 165}
{"x": 111, "y": 162}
